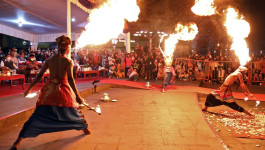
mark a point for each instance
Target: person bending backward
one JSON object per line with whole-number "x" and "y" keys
{"x": 223, "y": 95}
{"x": 56, "y": 106}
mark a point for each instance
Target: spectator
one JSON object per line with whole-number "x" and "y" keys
{"x": 2, "y": 55}
{"x": 112, "y": 71}
{"x": 31, "y": 64}
{"x": 13, "y": 55}
{"x": 21, "y": 59}
{"x": 263, "y": 67}
{"x": 120, "y": 72}
{"x": 191, "y": 76}
{"x": 133, "y": 75}
{"x": 38, "y": 56}
{"x": 9, "y": 63}
{"x": 128, "y": 63}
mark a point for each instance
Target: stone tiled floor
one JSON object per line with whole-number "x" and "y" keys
{"x": 140, "y": 120}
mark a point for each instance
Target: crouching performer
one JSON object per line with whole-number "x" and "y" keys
{"x": 223, "y": 95}
{"x": 56, "y": 108}
{"x": 169, "y": 74}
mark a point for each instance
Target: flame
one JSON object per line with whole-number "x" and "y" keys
{"x": 204, "y": 8}
{"x": 108, "y": 21}
{"x": 184, "y": 33}
{"x": 238, "y": 29}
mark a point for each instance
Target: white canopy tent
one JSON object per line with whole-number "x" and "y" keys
{"x": 44, "y": 20}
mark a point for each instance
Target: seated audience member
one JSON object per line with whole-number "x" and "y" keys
{"x": 183, "y": 75}
{"x": 112, "y": 71}
{"x": 133, "y": 75}
{"x": 9, "y": 63}
{"x": 45, "y": 56}
{"x": 21, "y": 59}
{"x": 260, "y": 77}
{"x": 191, "y": 76}
{"x": 38, "y": 56}
{"x": 120, "y": 72}
{"x": 130, "y": 71}
{"x": 31, "y": 64}
{"x": 2, "y": 54}
{"x": 13, "y": 55}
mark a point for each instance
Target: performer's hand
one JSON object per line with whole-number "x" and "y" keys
{"x": 245, "y": 93}
{"x": 27, "y": 92}
{"x": 80, "y": 100}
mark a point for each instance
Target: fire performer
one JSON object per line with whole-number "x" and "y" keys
{"x": 223, "y": 95}
{"x": 56, "y": 106}
{"x": 169, "y": 74}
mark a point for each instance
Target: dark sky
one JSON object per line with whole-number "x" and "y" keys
{"x": 163, "y": 15}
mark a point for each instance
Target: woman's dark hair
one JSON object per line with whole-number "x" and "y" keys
{"x": 63, "y": 42}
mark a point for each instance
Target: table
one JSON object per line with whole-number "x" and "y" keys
{"x": 14, "y": 77}
{"x": 87, "y": 72}
{"x": 42, "y": 79}
{"x": 104, "y": 72}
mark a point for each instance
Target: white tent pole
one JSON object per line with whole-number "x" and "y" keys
{"x": 128, "y": 42}
{"x": 69, "y": 23}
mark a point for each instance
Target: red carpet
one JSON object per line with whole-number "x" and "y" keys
{"x": 6, "y": 90}
{"x": 260, "y": 97}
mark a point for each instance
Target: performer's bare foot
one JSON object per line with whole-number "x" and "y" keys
{"x": 87, "y": 131}
{"x": 163, "y": 91}
{"x": 205, "y": 108}
{"x": 251, "y": 117}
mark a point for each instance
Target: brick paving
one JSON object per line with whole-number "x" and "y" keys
{"x": 140, "y": 120}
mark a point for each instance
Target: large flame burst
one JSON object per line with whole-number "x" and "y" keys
{"x": 238, "y": 29}
{"x": 204, "y": 8}
{"x": 184, "y": 33}
{"x": 107, "y": 22}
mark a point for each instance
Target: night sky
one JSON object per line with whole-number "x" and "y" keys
{"x": 163, "y": 15}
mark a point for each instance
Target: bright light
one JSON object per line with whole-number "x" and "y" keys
{"x": 73, "y": 19}
{"x": 184, "y": 33}
{"x": 238, "y": 29}
{"x": 203, "y": 8}
{"x": 108, "y": 21}
{"x": 31, "y": 95}
{"x": 20, "y": 24}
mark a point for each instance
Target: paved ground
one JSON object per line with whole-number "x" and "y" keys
{"x": 140, "y": 120}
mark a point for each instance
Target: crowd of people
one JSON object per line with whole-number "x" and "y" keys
{"x": 142, "y": 63}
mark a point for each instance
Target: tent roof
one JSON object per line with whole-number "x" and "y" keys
{"x": 41, "y": 16}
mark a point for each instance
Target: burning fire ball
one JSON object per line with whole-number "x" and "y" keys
{"x": 148, "y": 85}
